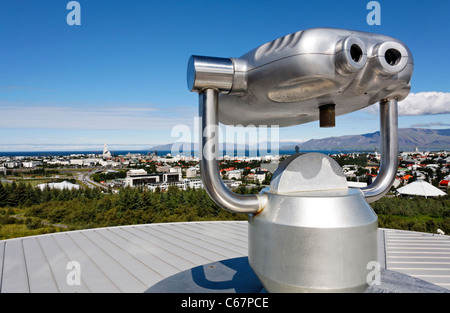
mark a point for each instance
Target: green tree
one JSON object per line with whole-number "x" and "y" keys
{"x": 3, "y": 195}
{"x": 13, "y": 197}
{"x": 33, "y": 223}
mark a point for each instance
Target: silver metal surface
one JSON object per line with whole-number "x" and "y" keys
{"x": 135, "y": 257}
{"x": 309, "y": 172}
{"x": 359, "y": 68}
{"x": 314, "y": 236}
{"x": 212, "y": 182}
{"x": 389, "y": 152}
{"x": 421, "y": 255}
{"x": 286, "y": 80}
{"x": 289, "y": 78}
{"x": 210, "y": 72}
{"x": 309, "y": 231}
{"x": 123, "y": 259}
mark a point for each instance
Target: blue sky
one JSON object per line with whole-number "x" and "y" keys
{"x": 120, "y": 77}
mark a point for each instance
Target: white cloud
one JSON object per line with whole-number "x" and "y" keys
{"x": 423, "y": 103}
{"x": 98, "y": 147}
{"x": 124, "y": 117}
{"x": 293, "y": 140}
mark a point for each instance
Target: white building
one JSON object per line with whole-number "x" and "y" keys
{"x": 57, "y": 162}
{"x": 260, "y": 176}
{"x": 183, "y": 184}
{"x": 232, "y": 184}
{"x": 109, "y": 163}
{"x": 193, "y": 183}
{"x": 353, "y": 184}
{"x": 191, "y": 172}
{"x": 78, "y": 162}
{"x": 420, "y": 188}
{"x": 175, "y": 169}
{"x": 91, "y": 162}
{"x": 234, "y": 174}
{"x": 106, "y": 152}
{"x": 350, "y": 170}
{"x": 13, "y": 164}
{"x": 140, "y": 177}
{"x": 162, "y": 186}
{"x": 61, "y": 186}
{"x": 136, "y": 172}
{"x": 163, "y": 169}
{"x": 31, "y": 164}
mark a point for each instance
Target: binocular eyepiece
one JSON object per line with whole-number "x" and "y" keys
{"x": 389, "y": 58}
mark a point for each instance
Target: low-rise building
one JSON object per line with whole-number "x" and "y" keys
{"x": 13, "y": 164}
{"x": 175, "y": 169}
{"x": 163, "y": 169}
{"x": 232, "y": 184}
{"x": 140, "y": 177}
{"x": 31, "y": 164}
{"x": 444, "y": 184}
{"x": 192, "y": 183}
{"x": 57, "y": 162}
{"x": 420, "y": 188}
{"x": 183, "y": 184}
{"x": 137, "y": 172}
{"x": 61, "y": 186}
{"x": 78, "y": 162}
{"x": 234, "y": 174}
{"x": 260, "y": 176}
{"x": 108, "y": 163}
{"x": 191, "y": 172}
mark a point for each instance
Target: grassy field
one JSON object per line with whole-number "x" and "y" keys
{"x": 13, "y": 224}
{"x": 31, "y": 181}
{"x": 10, "y": 231}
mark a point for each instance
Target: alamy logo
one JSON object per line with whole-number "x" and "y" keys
{"x": 374, "y": 276}
{"x": 236, "y": 140}
{"x": 73, "y": 278}
{"x": 74, "y": 16}
{"x": 374, "y": 16}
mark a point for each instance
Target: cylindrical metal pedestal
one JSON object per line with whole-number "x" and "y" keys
{"x": 314, "y": 243}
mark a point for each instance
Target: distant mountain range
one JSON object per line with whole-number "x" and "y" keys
{"x": 408, "y": 139}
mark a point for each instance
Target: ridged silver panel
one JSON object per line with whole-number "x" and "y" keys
{"x": 133, "y": 258}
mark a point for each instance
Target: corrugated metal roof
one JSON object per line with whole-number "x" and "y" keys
{"x": 421, "y": 255}
{"x": 134, "y": 258}
{"x": 116, "y": 259}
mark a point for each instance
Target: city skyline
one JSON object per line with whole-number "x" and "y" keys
{"x": 120, "y": 76}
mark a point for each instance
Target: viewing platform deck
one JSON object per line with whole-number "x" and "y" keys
{"x": 131, "y": 259}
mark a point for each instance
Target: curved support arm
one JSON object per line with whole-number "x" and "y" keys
{"x": 389, "y": 152}
{"x": 209, "y": 151}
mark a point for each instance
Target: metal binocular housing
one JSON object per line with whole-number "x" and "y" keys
{"x": 308, "y": 231}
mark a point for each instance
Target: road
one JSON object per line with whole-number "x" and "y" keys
{"x": 86, "y": 178}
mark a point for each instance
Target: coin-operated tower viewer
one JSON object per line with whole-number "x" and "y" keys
{"x": 308, "y": 231}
